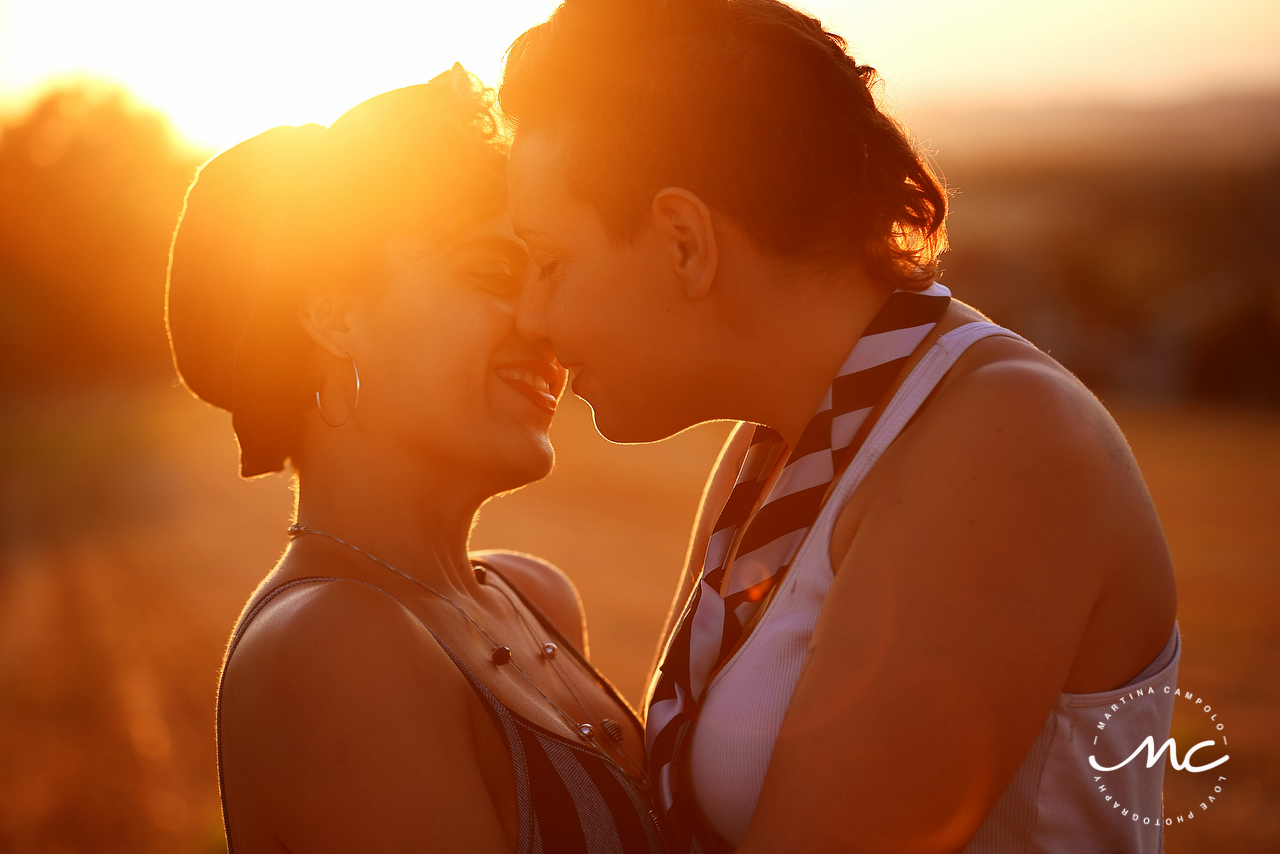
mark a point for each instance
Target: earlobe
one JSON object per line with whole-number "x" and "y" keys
{"x": 685, "y": 223}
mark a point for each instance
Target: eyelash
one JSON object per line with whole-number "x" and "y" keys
{"x": 502, "y": 282}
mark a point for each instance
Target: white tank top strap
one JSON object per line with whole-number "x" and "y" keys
{"x": 906, "y": 403}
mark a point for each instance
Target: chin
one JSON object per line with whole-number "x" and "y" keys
{"x": 626, "y": 428}
{"x": 525, "y": 466}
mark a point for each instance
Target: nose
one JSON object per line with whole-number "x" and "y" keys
{"x": 531, "y": 309}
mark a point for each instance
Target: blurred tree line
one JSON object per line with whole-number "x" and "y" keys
{"x": 1152, "y": 278}
{"x": 1156, "y": 281}
{"x": 90, "y": 188}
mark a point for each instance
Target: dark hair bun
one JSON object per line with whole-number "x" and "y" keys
{"x": 298, "y": 209}
{"x": 226, "y": 237}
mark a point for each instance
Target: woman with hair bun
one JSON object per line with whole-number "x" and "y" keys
{"x": 348, "y": 294}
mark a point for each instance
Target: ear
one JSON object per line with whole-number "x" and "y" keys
{"x": 683, "y": 221}
{"x": 325, "y": 314}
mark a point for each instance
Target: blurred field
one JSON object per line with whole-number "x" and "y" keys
{"x": 130, "y": 544}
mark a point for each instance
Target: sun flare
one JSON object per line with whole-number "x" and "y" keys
{"x": 224, "y": 71}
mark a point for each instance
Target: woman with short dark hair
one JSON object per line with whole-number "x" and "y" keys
{"x": 926, "y": 573}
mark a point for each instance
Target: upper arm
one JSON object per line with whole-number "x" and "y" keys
{"x": 345, "y": 727}
{"x": 546, "y": 586}
{"x": 950, "y": 626}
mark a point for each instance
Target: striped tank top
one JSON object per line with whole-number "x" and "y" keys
{"x": 570, "y": 799}
{"x": 1053, "y": 805}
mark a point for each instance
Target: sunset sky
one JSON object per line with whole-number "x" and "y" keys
{"x": 223, "y": 71}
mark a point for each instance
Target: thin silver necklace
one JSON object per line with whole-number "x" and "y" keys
{"x": 501, "y": 654}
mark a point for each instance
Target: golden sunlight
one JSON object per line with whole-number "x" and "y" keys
{"x": 224, "y": 71}
{"x": 1113, "y": 177}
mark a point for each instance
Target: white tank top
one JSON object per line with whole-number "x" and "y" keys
{"x": 1053, "y": 804}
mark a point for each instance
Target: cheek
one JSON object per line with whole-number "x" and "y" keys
{"x": 434, "y": 355}
{"x": 610, "y": 303}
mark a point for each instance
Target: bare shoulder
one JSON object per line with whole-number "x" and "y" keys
{"x": 1012, "y": 455}
{"x": 1008, "y": 398}
{"x": 547, "y": 586}
{"x": 1009, "y": 424}
{"x": 339, "y": 717}
{"x": 1013, "y": 372}
{"x": 1020, "y": 476}
{"x": 329, "y": 635}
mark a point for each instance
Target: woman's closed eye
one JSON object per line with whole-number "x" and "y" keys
{"x": 498, "y": 277}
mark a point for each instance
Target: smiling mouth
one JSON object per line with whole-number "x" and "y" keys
{"x": 541, "y": 382}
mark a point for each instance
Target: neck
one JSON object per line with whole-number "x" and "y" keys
{"x": 409, "y": 513}
{"x": 802, "y": 328}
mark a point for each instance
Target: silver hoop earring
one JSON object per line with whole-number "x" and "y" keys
{"x": 354, "y": 370}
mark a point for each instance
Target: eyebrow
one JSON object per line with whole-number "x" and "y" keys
{"x": 531, "y": 234}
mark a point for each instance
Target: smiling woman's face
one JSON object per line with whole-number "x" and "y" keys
{"x": 444, "y": 374}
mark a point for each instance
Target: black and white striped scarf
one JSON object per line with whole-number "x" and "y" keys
{"x": 755, "y": 539}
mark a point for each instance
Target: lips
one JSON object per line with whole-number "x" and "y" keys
{"x": 540, "y": 381}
